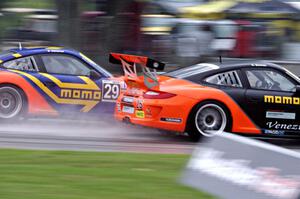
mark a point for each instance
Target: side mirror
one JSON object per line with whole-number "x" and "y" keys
{"x": 94, "y": 75}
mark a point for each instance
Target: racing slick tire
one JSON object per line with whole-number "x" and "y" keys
{"x": 12, "y": 103}
{"x": 208, "y": 119}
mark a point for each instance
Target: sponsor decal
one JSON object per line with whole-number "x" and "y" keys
{"x": 266, "y": 180}
{"x": 258, "y": 65}
{"x": 128, "y": 99}
{"x": 80, "y": 94}
{"x": 140, "y": 114}
{"x": 148, "y": 112}
{"x": 274, "y": 132}
{"x": 282, "y": 100}
{"x": 111, "y": 90}
{"x": 139, "y": 104}
{"x": 128, "y": 109}
{"x": 280, "y": 115}
{"x": 176, "y": 120}
{"x": 280, "y": 126}
{"x": 243, "y": 168}
{"x": 56, "y": 51}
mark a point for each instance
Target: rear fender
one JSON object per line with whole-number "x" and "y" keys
{"x": 37, "y": 104}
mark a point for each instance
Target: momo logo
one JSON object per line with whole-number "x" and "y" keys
{"x": 80, "y": 94}
{"x": 282, "y": 100}
{"x": 87, "y": 94}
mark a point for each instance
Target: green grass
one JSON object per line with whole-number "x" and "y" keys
{"x": 90, "y": 175}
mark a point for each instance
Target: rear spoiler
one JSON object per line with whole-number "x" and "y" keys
{"x": 129, "y": 63}
{"x": 116, "y": 58}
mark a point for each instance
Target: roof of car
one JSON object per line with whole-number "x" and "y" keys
{"x": 20, "y": 52}
{"x": 29, "y": 51}
{"x": 208, "y": 68}
{"x": 36, "y": 48}
{"x": 246, "y": 63}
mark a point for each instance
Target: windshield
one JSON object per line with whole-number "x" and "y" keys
{"x": 94, "y": 64}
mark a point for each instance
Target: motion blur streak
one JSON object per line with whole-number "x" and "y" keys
{"x": 89, "y": 136}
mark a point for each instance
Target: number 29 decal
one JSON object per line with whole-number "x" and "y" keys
{"x": 110, "y": 90}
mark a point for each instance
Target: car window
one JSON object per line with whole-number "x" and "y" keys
{"x": 230, "y": 78}
{"x": 24, "y": 63}
{"x": 66, "y": 65}
{"x": 269, "y": 80}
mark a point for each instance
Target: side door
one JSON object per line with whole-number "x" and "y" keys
{"x": 271, "y": 100}
{"x": 72, "y": 85}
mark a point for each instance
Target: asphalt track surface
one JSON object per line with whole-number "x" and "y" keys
{"x": 112, "y": 136}
{"x": 83, "y": 135}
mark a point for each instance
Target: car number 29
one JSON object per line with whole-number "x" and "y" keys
{"x": 110, "y": 90}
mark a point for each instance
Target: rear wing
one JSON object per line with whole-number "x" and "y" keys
{"x": 129, "y": 64}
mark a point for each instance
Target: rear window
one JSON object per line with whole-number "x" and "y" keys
{"x": 229, "y": 78}
{"x": 191, "y": 70}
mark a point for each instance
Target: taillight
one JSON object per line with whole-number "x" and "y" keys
{"x": 157, "y": 95}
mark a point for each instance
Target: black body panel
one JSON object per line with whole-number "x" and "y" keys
{"x": 276, "y": 113}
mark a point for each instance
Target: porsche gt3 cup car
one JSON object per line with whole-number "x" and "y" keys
{"x": 253, "y": 98}
{"x": 54, "y": 81}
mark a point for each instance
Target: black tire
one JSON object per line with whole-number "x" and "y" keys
{"x": 208, "y": 119}
{"x": 12, "y": 103}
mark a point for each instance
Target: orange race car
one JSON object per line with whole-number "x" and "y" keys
{"x": 254, "y": 98}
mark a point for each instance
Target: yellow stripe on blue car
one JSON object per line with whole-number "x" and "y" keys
{"x": 88, "y": 94}
{"x": 17, "y": 55}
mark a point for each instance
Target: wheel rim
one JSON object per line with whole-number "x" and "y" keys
{"x": 210, "y": 120}
{"x": 10, "y": 102}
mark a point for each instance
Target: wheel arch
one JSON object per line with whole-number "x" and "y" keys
{"x": 23, "y": 95}
{"x": 2, "y": 84}
{"x": 36, "y": 102}
{"x": 222, "y": 104}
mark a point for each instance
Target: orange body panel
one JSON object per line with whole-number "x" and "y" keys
{"x": 37, "y": 105}
{"x": 188, "y": 95}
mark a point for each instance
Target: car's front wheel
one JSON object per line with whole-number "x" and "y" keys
{"x": 207, "y": 120}
{"x": 12, "y": 102}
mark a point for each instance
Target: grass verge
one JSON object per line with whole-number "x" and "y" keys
{"x": 91, "y": 175}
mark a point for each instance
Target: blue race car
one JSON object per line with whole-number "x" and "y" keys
{"x": 54, "y": 81}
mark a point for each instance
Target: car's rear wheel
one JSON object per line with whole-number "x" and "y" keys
{"x": 12, "y": 102}
{"x": 207, "y": 120}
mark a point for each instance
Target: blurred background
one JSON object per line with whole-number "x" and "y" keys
{"x": 178, "y": 32}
